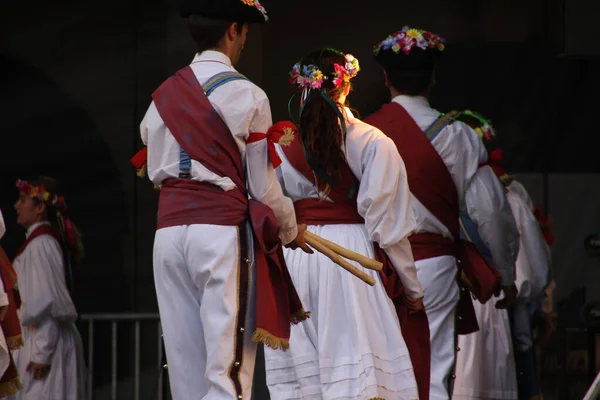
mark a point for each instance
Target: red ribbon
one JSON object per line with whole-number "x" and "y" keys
{"x": 494, "y": 159}
{"x": 544, "y": 224}
{"x": 140, "y": 158}
{"x": 274, "y": 135}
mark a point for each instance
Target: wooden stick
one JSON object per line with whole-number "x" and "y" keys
{"x": 321, "y": 248}
{"x": 349, "y": 254}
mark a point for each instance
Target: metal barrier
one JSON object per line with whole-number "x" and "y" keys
{"x": 114, "y": 320}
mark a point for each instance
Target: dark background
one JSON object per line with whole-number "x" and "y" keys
{"x": 76, "y": 78}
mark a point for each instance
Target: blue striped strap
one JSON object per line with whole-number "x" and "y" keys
{"x": 438, "y": 125}
{"x": 213, "y": 83}
{"x": 469, "y": 231}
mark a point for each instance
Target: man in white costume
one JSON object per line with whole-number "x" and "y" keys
{"x": 486, "y": 368}
{"x": 207, "y": 275}
{"x": 409, "y": 58}
{"x": 533, "y": 276}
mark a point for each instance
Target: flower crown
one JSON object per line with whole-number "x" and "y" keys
{"x": 485, "y": 131}
{"x": 255, "y": 3}
{"x": 409, "y": 38}
{"x": 40, "y": 193}
{"x": 311, "y": 77}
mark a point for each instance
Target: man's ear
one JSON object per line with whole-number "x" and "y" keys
{"x": 233, "y": 31}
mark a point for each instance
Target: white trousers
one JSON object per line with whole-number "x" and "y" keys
{"x": 441, "y": 294}
{"x": 202, "y": 285}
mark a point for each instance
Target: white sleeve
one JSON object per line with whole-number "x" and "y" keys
{"x": 532, "y": 262}
{"x": 463, "y": 152}
{"x": 144, "y": 126}
{"x": 488, "y": 207}
{"x": 263, "y": 185}
{"x": 2, "y": 226}
{"x": 384, "y": 203}
{"x": 42, "y": 284}
{"x": 3, "y": 295}
{"x": 44, "y": 340}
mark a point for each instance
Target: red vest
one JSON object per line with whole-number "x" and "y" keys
{"x": 205, "y": 137}
{"x": 344, "y": 210}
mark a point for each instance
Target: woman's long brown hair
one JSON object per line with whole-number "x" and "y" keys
{"x": 320, "y": 129}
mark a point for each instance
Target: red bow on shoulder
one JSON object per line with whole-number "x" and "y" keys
{"x": 139, "y": 161}
{"x": 282, "y": 133}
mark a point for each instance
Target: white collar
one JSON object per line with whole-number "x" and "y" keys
{"x": 212, "y": 55}
{"x": 418, "y": 101}
{"x": 37, "y": 224}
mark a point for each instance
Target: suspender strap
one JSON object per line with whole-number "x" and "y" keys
{"x": 438, "y": 125}
{"x": 220, "y": 79}
{"x": 213, "y": 83}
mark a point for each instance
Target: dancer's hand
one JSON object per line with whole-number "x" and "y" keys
{"x": 414, "y": 305}
{"x": 510, "y": 296}
{"x": 39, "y": 371}
{"x": 3, "y": 311}
{"x": 300, "y": 241}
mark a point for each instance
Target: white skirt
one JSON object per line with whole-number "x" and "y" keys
{"x": 351, "y": 347}
{"x": 485, "y": 367}
{"x": 66, "y": 380}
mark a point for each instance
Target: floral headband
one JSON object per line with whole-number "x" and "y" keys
{"x": 409, "y": 38}
{"x": 310, "y": 76}
{"x": 255, "y": 3}
{"x": 486, "y": 131}
{"x": 40, "y": 193}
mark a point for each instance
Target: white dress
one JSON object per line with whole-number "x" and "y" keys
{"x": 4, "y": 350}
{"x": 352, "y": 346}
{"x": 47, "y": 317}
{"x": 485, "y": 367}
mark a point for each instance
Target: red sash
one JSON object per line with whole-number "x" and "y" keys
{"x": 430, "y": 181}
{"x": 205, "y": 137}
{"x": 343, "y": 210}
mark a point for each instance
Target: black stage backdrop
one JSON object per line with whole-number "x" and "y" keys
{"x": 77, "y": 76}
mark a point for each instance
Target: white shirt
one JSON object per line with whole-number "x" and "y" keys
{"x": 463, "y": 152}
{"x": 533, "y": 265}
{"x": 383, "y": 199}
{"x": 2, "y": 226}
{"x": 244, "y": 108}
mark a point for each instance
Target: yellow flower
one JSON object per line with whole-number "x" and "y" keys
{"x": 441, "y": 46}
{"x": 46, "y": 196}
{"x": 396, "y": 47}
{"x": 413, "y": 33}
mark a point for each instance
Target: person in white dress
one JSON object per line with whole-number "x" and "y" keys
{"x": 487, "y": 366}
{"x": 51, "y": 363}
{"x": 10, "y": 334}
{"x": 351, "y": 189}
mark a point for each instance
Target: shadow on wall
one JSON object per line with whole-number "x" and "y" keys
{"x": 45, "y": 131}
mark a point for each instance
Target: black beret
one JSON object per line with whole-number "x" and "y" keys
{"x": 248, "y": 11}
